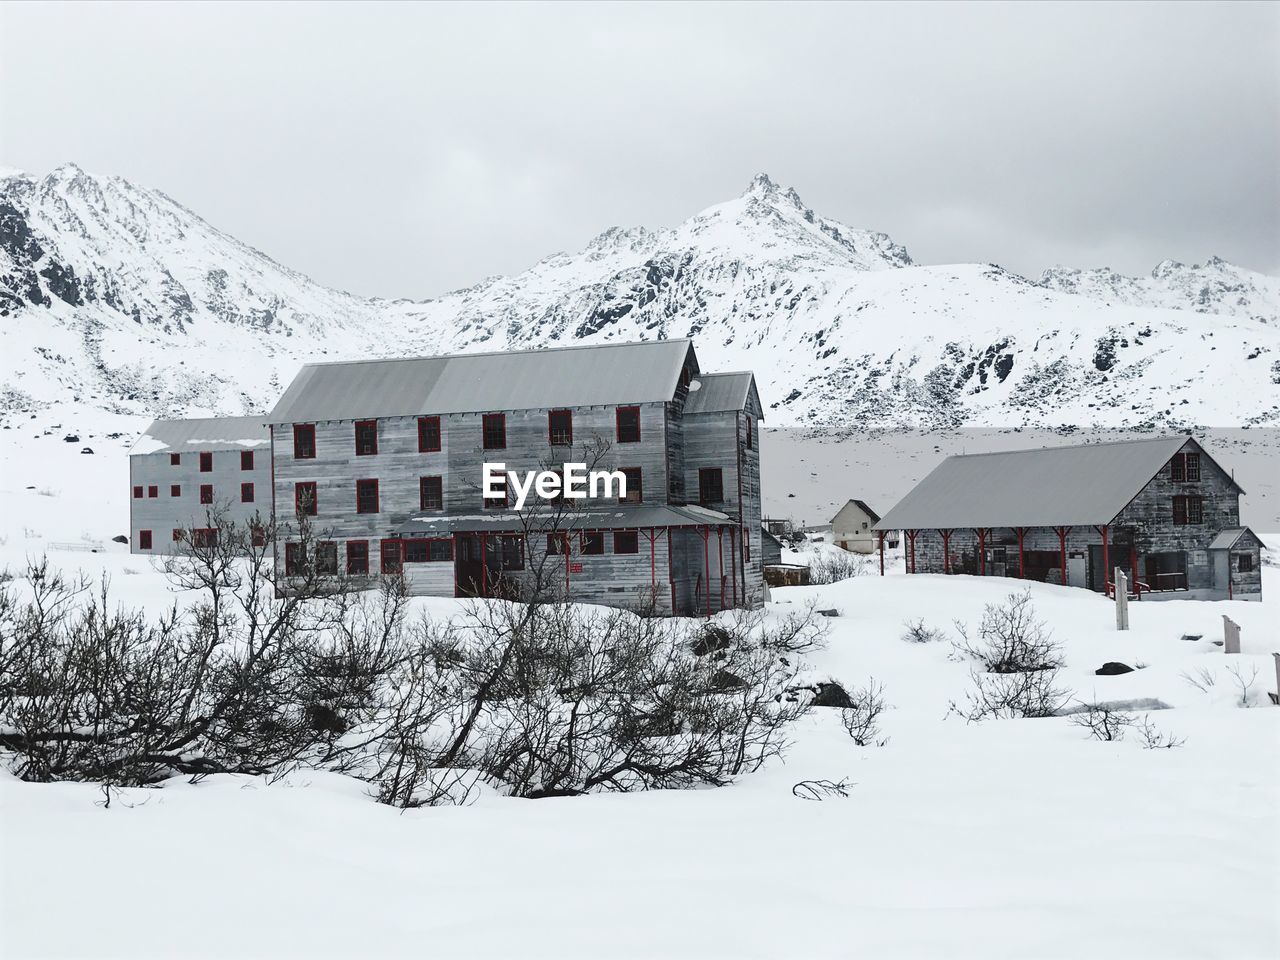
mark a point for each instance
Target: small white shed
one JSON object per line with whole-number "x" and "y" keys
{"x": 851, "y": 528}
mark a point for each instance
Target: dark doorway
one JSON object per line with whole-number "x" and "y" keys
{"x": 1167, "y": 571}
{"x": 468, "y": 565}
{"x": 486, "y": 565}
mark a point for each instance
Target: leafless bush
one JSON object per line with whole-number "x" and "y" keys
{"x": 1203, "y": 679}
{"x": 915, "y": 631}
{"x": 1011, "y": 639}
{"x": 861, "y": 721}
{"x": 1153, "y": 739}
{"x": 821, "y": 789}
{"x": 1102, "y": 721}
{"x": 1011, "y": 696}
{"x": 832, "y": 566}
{"x": 1244, "y": 683}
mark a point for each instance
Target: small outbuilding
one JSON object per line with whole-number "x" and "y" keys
{"x": 852, "y": 528}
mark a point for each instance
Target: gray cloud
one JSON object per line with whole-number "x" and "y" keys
{"x": 400, "y": 150}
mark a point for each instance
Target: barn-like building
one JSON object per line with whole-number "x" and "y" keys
{"x": 1161, "y": 509}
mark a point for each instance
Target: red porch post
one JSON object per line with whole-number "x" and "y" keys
{"x": 982, "y": 550}
{"x": 734, "y": 560}
{"x": 946, "y": 551}
{"x": 1022, "y": 560}
{"x": 1106, "y": 557}
{"x": 1133, "y": 568}
{"x": 911, "y": 550}
{"x": 1062, "y": 550}
{"x": 484, "y": 566}
{"x": 706, "y": 564}
{"x": 720, "y": 551}
{"x": 880, "y": 536}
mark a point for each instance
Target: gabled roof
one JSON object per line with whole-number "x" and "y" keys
{"x": 861, "y": 505}
{"x": 212, "y": 433}
{"x": 604, "y": 374}
{"x": 722, "y": 393}
{"x": 1053, "y": 486}
{"x": 1227, "y": 539}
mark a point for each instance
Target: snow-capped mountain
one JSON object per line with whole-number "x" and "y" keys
{"x": 117, "y": 296}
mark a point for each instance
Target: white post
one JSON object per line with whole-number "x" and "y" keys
{"x": 1122, "y": 600}
{"x": 1275, "y": 697}
{"x": 1230, "y": 635}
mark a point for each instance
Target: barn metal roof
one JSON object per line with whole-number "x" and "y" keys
{"x": 719, "y": 392}
{"x": 212, "y": 433}
{"x": 603, "y": 374}
{"x": 1053, "y": 486}
{"x": 618, "y": 518}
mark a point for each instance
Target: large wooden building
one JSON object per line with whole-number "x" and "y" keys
{"x": 384, "y": 458}
{"x": 1160, "y": 509}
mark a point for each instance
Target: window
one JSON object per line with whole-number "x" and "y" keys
{"x": 327, "y": 558}
{"x": 204, "y": 537}
{"x": 179, "y": 535}
{"x": 366, "y": 496}
{"x": 1244, "y": 562}
{"x": 430, "y": 493}
{"x": 1185, "y": 468}
{"x": 137, "y": 493}
{"x": 635, "y": 485}
{"x": 153, "y": 492}
{"x": 560, "y": 428}
{"x": 434, "y": 550}
{"x": 246, "y": 459}
{"x": 1193, "y": 467}
{"x": 175, "y": 459}
{"x": 295, "y": 559}
{"x": 751, "y": 429}
{"x": 246, "y": 493}
{"x": 495, "y": 431}
{"x": 710, "y": 485}
{"x": 628, "y": 424}
{"x": 1188, "y": 510}
{"x": 498, "y": 503}
{"x": 428, "y": 434}
{"x": 357, "y": 558}
{"x": 390, "y": 556}
{"x": 626, "y": 541}
{"x": 558, "y": 544}
{"x": 366, "y": 438}
{"x": 206, "y": 493}
{"x": 175, "y": 490}
{"x": 144, "y": 539}
{"x": 206, "y": 462}
{"x": 304, "y": 498}
{"x": 592, "y": 543}
{"x": 511, "y": 551}
{"x": 304, "y": 441}
{"x": 257, "y": 536}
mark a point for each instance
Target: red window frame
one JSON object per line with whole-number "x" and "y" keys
{"x": 706, "y": 487}
{"x": 635, "y": 491}
{"x": 558, "y": 543}
{"x": 431, "y": 499}
{"x": 295, "y": 559}
{"x": 493, "y": 431}
{"x": 206, "y": 462}
{"x": 560, "y": 435}
{"x": 630, "y": 541}
{"x": 363, "y": 488}
{"x": 389, "y": 557}
{"x": 421, "y": 550}
{"x": 302, "y": 490}
{"x": 493, "y": 503}
{"x": 428, "y": 434}
{"x": 1177, "y": 468}
{"x": 206, "y": 493}
{"x": 366, "y": 445}
{"x": 246, "y": 493}
{"x": 632, "y": 411}
{"x": 257, "y": 536}
{"x": 327, "y": 558}
{"x": 304, "y": 441}
{"x": 144, "y": 539}
{"x": 204, "y": 537}
{"x": 137, "y": 493}
{"x": 591, "y": 543}
{"x": 175, "y": 489}
{"x": 357, "y": 558}
{"x": 175, "y": 459}
{"x": 1188, "y": 510}
{"x": 153, "y": 492}
{"x": 246, "y": 459}
{"x": 179, "y": 534}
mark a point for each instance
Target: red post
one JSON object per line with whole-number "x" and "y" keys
{"x": 911, "y": 550}
{"x": 1133, "y": 567}
{"x": 982, "y": 551}
{"x": 946, "y": 551}
{"x": 653, "y": 563}
{"x": 706, "y": 564}
{"x": 734, "y": 560}
{"x": 1022, "y": 564}
{"x": 484, "y": 567}
{"x": 880, "y": 536}
{"x": 1106, "y": 557}
{"x": 720, "y": 550}
{"x": 1062, "y": 550}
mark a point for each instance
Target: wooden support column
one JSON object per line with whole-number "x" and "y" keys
{"x": 1062, "y": 550}
{"x": 1022, "y": 559}
{"x": 1133, "y": 570}
{"x": 720, "y": 550}
{"x": 1104, "y": 530}
{"x": 706, "y": 564}
{"x": 946, "y": 551}
{"x": 982, "y": 550}
{"x": 734, "y": 560}
{"x": 880, "y": 535}
{"x": 911, "y": 550}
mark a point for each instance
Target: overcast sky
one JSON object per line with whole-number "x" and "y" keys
{"x": 403, "y": 151}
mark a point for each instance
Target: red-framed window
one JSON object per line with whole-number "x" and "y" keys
{"x": 751, "y": 431}
{"x": 430, "y": 493}
{"x": 175, "y": 459}
{"x": 366, "y": 438}
{"x": 592, "y": 543}
{"x": 635, "y": 485}
{"x": 1188, "y": 510}
{"x": 626, "y": 541}
{"x": 137, "y": 493}
{"x": 304, "y": 498}
{"x": 295, "y": 559}
{"x": 510, "y": 549}
{"x": 390, "y": 555}
{"x": 558, "y": 543}
{"x": 710, "y": 485}
{"x": 246, "y": 493}
{"x": 304, "y": 441}
{"x": 357, "y": 558}
{"x": 175, "y": 489}
{"x": 628, "y": 424}
{"x": 428, "y": 434}
{"x": 257, "y": 536}
{"x": 560, "y": 428}
{"x": 144, "y": 539}
{"x": 1193, "y": 467}
{"x": 494, "y": 427}
{"x": 206, "y": 493}
{"x": 327, "y": 558}
{"x": 179, "y": 535}
{"x": 498, "y": 503}
{"x": 1185, "y": 468}
{"x": 366, "y": 496}
{"x": 246, "y": 459}
{"x": 153, "y": 492}
{"x": 206, "y": 462}
{"x": 204, "y": 537}
{"x": 427, "y": 550}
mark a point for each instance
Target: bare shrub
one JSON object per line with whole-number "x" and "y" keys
{"x": 1102, "y": 721}
{"x": 915, "y": 631}
{"x": 1012, "y": 696}
{"x": 1011, "y": 639}
{"x": 861, "y": 721}
{"x": 821, "y": 789}
{"x": 832, "y": 566}
{"x": 1244, "y": 683}
{"x": 1153, "y": 739}
{"x": 1203, "y": 679}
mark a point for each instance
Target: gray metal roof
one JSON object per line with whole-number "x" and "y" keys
{"x": 213, "y": 433}
{"x": 719, "y": 392}
{"x": 617, "y": 518}
{"x": 604, "y": 374}
{"x": 1054, "y": 486}
{"x": 1227, "y": 539}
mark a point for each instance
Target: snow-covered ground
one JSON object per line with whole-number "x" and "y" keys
{"x": 1019, "y": 838}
